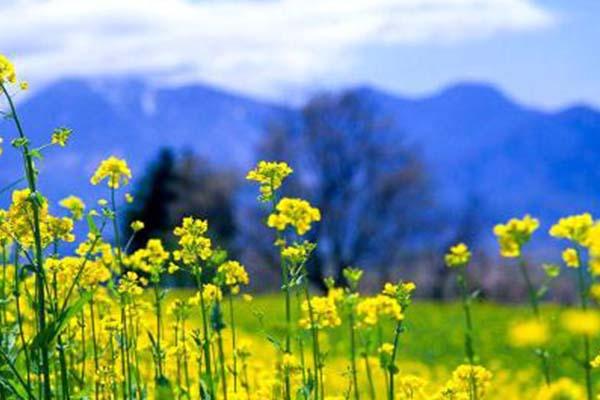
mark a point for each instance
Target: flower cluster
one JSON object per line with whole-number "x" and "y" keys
{"x": 7, "y": 71}
{"x": 324, "y": 313}
{"x": 514, "y": 234}
{"x": 232, "y": 274}
{"x": 531, "y": 333}
{"x": 371, "y": 309}
{"x": 297, "y": 213}
{"x": 574, "y": 228}
{"x": 115, "y": 170}
{"x": 458, "y": 256}
{"x": 194, "y": 245}
{"x": 270, "y": 176}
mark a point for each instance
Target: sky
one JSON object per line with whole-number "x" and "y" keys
{"x": 542, "y": 53}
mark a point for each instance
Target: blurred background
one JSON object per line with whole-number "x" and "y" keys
{"x": 412, "y": 124}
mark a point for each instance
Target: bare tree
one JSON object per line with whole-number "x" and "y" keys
{"x": 371, "y": 188}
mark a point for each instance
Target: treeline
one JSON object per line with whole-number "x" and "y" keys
{"x": 379, "y": 205}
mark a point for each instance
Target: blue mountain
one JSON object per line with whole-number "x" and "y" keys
{"x": 475, "y": 140}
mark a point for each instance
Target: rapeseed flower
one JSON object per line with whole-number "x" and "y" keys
{"x": 532, "y": 333}
{"x": 270, "y": 175}
{"x": 297, "y": 213}
{"x": 458, "y": 256}
{"x": 514, "y": 234}
{"x": 115, "y": 170}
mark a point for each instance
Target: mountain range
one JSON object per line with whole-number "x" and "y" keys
{"x": 475, "y": 140}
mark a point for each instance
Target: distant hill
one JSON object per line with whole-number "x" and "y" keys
{"x": 474, "y": 139}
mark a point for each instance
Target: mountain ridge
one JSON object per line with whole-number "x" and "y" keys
{"x": 474, "y": 138}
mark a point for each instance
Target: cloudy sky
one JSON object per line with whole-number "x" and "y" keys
{"x": 541, "y": 52}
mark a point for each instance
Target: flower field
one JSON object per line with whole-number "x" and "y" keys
{"x": 97, "y": 323}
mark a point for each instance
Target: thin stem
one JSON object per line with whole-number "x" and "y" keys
{"x": 221, "y": 355}
{"x": 159, "y": 354}
{"x": 353, "y": 354}
{"x": 462, "y": 282}
{"x": 534, "y": 302}
{"x": 206, "y": 340}
{"x": 583, "y": 293}
{"x": 392, "y": 366}
{"x": 233, "y": 342}
{"x": 39, "y": 270}
{"x": 94, "y": 342}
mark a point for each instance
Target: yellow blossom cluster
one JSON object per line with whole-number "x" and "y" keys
{"x": 194, "y": 245}
{"x": 115, "y": 170}
{"x": 371, "y": 309}
{"x": 324, "y": 313}
{"x": 574, "y": 228}
{"x": 458, "y": 256}
{"x": 531, "y": 333}
{"x": 7, "y": 70}
{"x": 514, "y": 234}
{"x": 75, "y": 205}
{"x": 233, "y": 274}
{"x": 270, "y": 176}
{"x": 297, "y": 213}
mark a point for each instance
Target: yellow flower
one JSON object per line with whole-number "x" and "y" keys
{"x": 137, "y": 226}
{"x": 131, "y": 284}
{"x": 115, "y": 169}
{"x": 270, "y": 175}
{"x": 290, "y": 363}
{"x": 574, "y": 228}
{"x": 580, "y": 322}
{"x": 128, "y": 198}
{"x": 297, "y": 213}
{"x": 458, "y": 256}
{"x": 150, "y": 259}
{"x": 60, "y": 136}
{"x": 595, "y": 363}
{"x": 370, "y": 309}
{"x": 465, "y": 376}
{"x": 7, "y": 70}
{"x": 247, "y": 298}
{"x": 561, "y": 389}
{"x": 530, "y": 333}
{"x": 570, "y": 257}
{"x": 75, "y": 205}
{"x": 211, "y": 293}
{"x": 232, "y": 274}
{"x": 386, "y": 349}
{"x": 24, "y": 85}
{"x": 514, "y": 234}
{"x": 193, "y": 243}
{"x": 324, "y": 313}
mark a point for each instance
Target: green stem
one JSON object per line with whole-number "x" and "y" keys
{"x": 583, "y": 293}
{"x": 94, "y": 343}
{"x": 462, "y": 282}
{"x": 534, "y": 302}
{"x": 206, "y": 341}
{"x": 315, "y": 341}
{"x": 392, "y": 366}
{"x": 369, "y": 374}
{"x": 221, "y": 356}
{"x": 353, "y": 354}
{"x": 159, "y": 354}
{"x": 39, "y": 270}
{"x": 233, "y": 343}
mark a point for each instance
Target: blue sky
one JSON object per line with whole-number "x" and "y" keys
{"x": 542, "y": 53}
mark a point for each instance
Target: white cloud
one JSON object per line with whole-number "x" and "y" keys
{"x": 256, "y": 46}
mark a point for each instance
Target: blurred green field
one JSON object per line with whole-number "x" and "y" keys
{"x": 434, "y": 335}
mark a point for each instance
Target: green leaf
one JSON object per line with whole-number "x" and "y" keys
{"x": 92, "y": 225}
{"x": 55, "y": 327}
